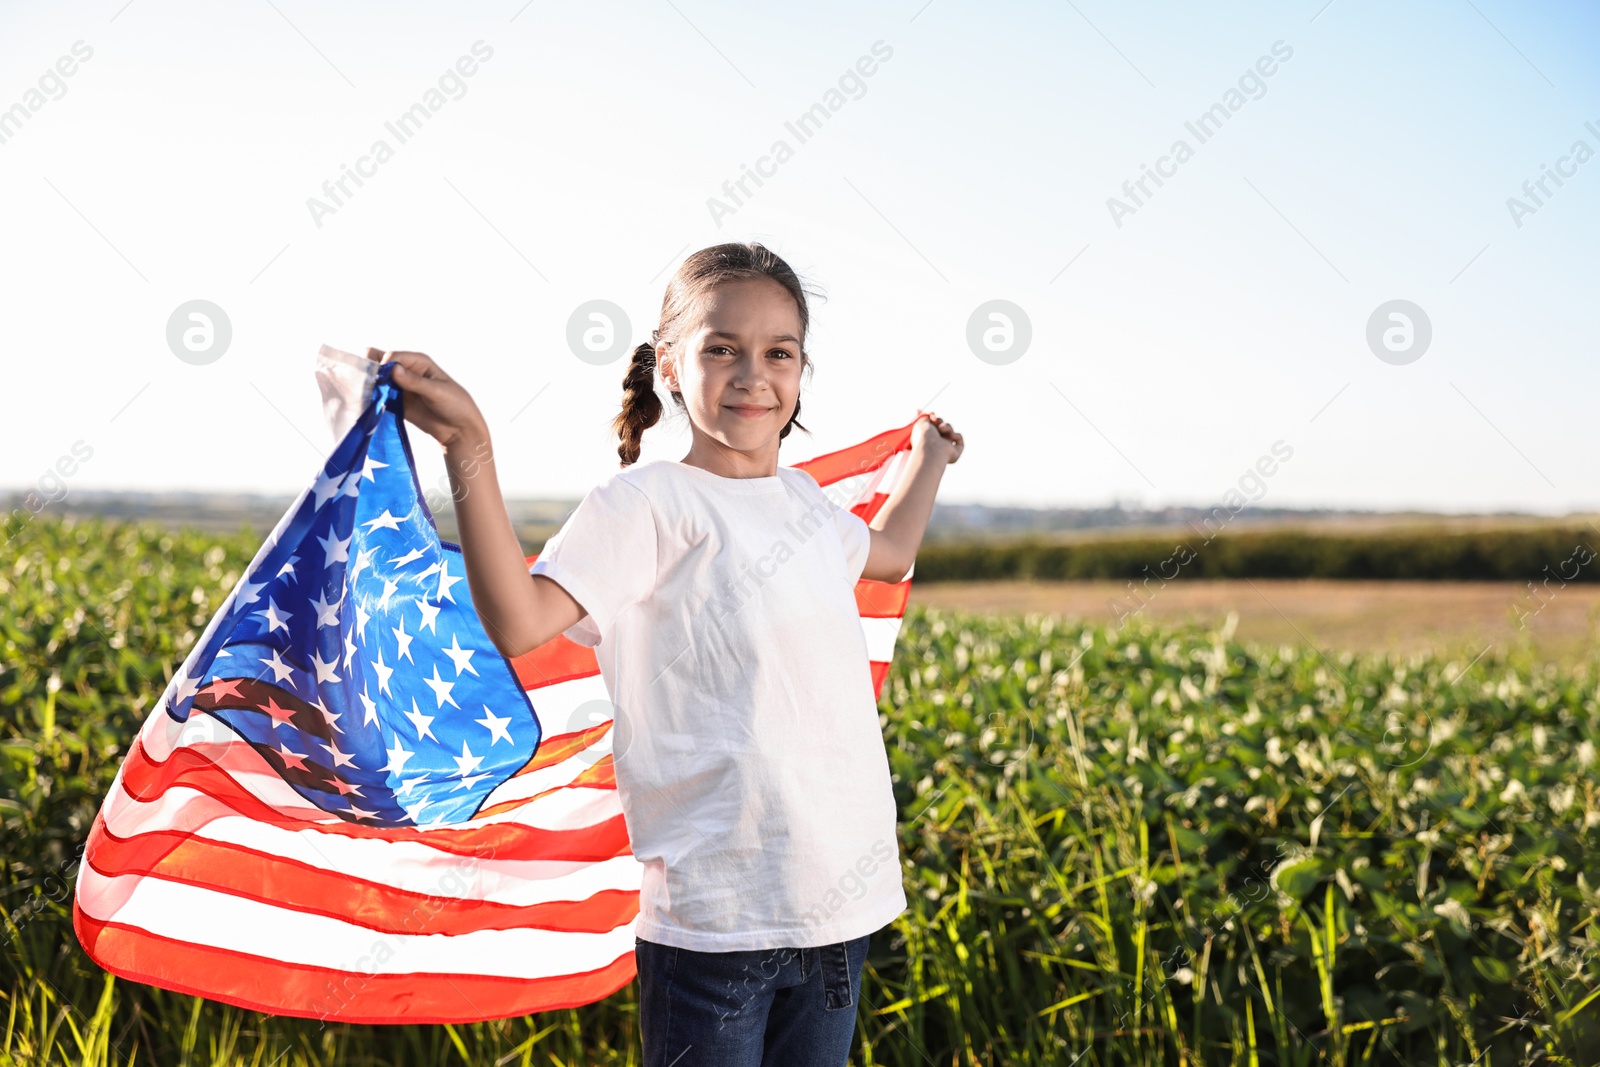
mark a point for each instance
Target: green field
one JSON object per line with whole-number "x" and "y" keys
{"x": 1123, "y": 846}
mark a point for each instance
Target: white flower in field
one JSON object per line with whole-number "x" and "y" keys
{"x": 1428, "y": 837}
{"x": 1562, "y": 796}
{"x": 1308, "y": 759}
{"x": 1512, "y": 792}
{"x": 1183, "y": 976}
{"x": 1189, "y": 690}
{"x": 1456, "y": 913}
{"x": 1585, "y": 752}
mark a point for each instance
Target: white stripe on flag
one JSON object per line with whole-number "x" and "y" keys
{"x": 236, "y": 924}
{"x": 415, "y": 866}
{"x": 881, "y": 634}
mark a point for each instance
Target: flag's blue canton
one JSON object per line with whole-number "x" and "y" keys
{"x": 350, "y": 655}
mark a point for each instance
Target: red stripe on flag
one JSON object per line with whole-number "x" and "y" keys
{"x": 880, "y": 671}
{"x": 553, "y": 750}
{"x": 144, "y": 779}
{"x": 600, "y": 776}
{"x": 882, "y": 600}
{"x": 870, "y": 454}
{"x": 261, "y": 984}
{"x": 868, "y": 509}
{"x": 253, "y": 875}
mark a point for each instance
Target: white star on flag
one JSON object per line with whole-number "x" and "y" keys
{"x": 422, "y": 722}
{"x": 340, "y": 759}
{"x": 466, "y": 763}
{"x": 337, "y": 550}
{"x": 441, "y": 688}
{"x": 388, "y": 591}
{"x": 327, "y": 612}
{"x": 404, "y": 638}
{"x": 446, "y": 580}
{"x": 397, "y": 757}
{"x": 324, "y": 668}
{"x": 274, "y": 620}
{"x": 326, "y": 488}
{"x": 280, "y": 716}
{"x": 280, "y": 669}
{"x": 460, "y": 656}
{"x": 386, "y": 521}
{"x": 247, "y": 593}
{"x": 329, "y": 717}
{"x": 383, "y": 673}
{"x": 496, "y": 726}
{"x": 362, "y": 559}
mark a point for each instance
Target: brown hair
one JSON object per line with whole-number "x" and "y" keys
{"x": 698, "y": 275}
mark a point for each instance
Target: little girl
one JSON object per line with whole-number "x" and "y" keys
{"x": 718, "y": 593}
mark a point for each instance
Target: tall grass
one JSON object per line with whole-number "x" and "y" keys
{"x": 1122, "y": 846}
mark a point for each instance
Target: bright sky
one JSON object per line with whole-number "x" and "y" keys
{"x": 1172, "y": 345}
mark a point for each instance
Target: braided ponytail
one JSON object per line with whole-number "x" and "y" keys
{"x": 641, "y": 407}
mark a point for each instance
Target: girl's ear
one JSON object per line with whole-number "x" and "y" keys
{"x": 669, "y": 370}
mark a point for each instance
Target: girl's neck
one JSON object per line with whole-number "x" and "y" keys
{"x": 720, "y": 459}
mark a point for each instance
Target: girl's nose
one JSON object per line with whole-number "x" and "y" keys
{"x": 749, "y": 373}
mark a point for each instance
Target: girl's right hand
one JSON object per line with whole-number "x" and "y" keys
{"x": 435, "y": 402}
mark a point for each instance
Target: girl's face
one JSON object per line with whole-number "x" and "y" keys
{"x": 739, "y": 368}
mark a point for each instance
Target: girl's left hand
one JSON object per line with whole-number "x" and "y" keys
{"x": 934, "y": 436}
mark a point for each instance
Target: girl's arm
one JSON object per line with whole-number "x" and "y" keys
{"x": 898, "y": 527}
{"x": 519, "y": 611}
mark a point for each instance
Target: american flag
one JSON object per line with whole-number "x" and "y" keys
{"x": 347, "y": 804}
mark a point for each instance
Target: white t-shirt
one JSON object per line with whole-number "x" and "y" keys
{"x": 749, "y": 758}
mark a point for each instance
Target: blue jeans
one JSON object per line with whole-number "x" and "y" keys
{"x": 780, "y": 1007}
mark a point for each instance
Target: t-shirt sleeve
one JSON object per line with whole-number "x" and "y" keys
{"x": 857, "y": 539}
{"x": 604, "y": 555}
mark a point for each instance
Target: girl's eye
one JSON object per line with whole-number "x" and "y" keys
{"x": 785, "y": 353}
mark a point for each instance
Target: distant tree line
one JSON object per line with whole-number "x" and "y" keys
{"x": 1550, "y": 555}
